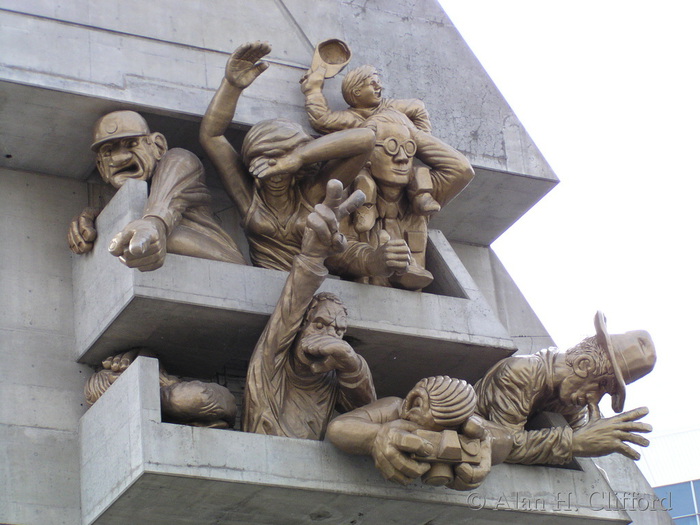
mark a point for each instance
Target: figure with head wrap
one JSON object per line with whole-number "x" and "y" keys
{"x": 281, "y": 172}
{"x": 432, "y": 433}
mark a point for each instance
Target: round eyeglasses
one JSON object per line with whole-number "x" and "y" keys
{"x": 392, "y": 146}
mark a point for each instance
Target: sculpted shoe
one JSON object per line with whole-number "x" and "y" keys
{"x": 415, "y": 278}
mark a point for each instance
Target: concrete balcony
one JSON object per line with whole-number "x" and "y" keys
{"x": 205, "y": 316}
{"x": 136, "y": 469}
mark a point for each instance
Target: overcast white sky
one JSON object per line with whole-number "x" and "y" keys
{"x": 610, "y": 93}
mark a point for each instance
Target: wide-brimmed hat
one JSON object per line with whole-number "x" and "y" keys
{"x": 118, "y": 125}
{"x": 632, "y": 356}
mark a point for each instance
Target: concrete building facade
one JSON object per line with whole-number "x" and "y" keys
{"x": 63, "y": 65}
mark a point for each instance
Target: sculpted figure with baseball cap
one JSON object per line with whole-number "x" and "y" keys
{"x": 177, "y": 219}
{"x": 570, "y": 383}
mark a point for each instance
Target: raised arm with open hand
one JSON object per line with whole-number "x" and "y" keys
{"x": 244, "y": 64}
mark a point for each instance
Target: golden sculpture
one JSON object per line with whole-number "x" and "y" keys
{"x": 186, "y": 402}
{"x": 572, "y": 384}
{"x": 396, "y": 227}
{"x": 281, "y": 172}
{"x": 301, "y": 369}
{"x": 362, "y": 90}
{"x": 177, "y": 219}
{"x": 432, "y": 433}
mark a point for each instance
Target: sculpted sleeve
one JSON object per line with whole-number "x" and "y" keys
{"x": 449, "y": 169}
{"x": 415, "y": 110}
{"x": 177, "y": 184}
{"x": 265, "y": 381}
{"x": 322, "y": 119}
{"x": 506, "y": 395}
{"x": 356, "y": 388}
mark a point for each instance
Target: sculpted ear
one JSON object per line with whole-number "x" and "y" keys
{"x": 160, "y": 145}
{"x": 100, "y": 167}
{"x": 584, "y": 365}
{"x": 415, "y": 405}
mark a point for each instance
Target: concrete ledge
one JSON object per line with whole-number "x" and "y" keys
{"x": 203, "y": 316}
{"x": 135, "y": 469}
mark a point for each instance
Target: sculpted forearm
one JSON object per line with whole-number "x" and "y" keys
{"x": 451, "y": 171}
{"x": 220, "y": 112}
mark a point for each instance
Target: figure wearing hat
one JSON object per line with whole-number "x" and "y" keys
{"x": 177, "y": 219}
{"x": 362, "y": 90}
{"x": 570, "y": 383}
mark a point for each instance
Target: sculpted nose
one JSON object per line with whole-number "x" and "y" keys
{"x": 401, "y": 156}
{"x": 120, "y": 156}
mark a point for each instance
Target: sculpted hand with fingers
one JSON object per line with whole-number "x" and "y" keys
{"x": 280, "y": 172}
{"x": 177, "y": 218}
{"x": 142, "y": 244}
{"x": 432, "y": 433}
{"x": 301, "y": 369}
{"x": 603, "y": 436}
{"x": 82, "y": 232}
{"x": 570, "y": 383}
{"x": 193, "y": 402}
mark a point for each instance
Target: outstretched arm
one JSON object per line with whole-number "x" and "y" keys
{"x": 377, "y": 431}
{"x": 321, "y": 118}
{"x": 177, "y": 185}
{"x": 344, "y": 154}
{"x": 449, "y": 169}
{"x": 242, "y": 68}
{"x": 264, "y": 397}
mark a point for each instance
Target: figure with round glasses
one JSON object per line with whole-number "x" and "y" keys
{"x": 391, "y": 165}
{"x": 362, "y": 90}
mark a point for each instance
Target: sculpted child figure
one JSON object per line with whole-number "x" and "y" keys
{"x": 178, "y": 216}
{"x": 362, "y": 90}
{"x": 432, "y": 433}
{"x": 281, "y": 172}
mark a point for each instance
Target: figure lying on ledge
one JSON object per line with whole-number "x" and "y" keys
{"x": 301, "y": 369}
{"x": 185, "y": 402}
{"x": 570, "y": 383}
{"x": 177, "y": 219}
{"x": 432, "y": 433}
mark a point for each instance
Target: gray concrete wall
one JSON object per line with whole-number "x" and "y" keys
{"x": 171, "y": 56}
{"x": 40, "y": 382}
{"x": 504, "y": 297}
